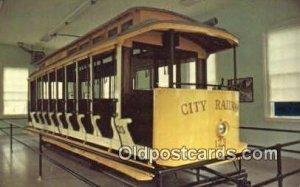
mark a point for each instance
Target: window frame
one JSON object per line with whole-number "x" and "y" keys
{"x": 104, "y": 74}
{"x": 2, "y": 108}
{"x": 266, "y": 92}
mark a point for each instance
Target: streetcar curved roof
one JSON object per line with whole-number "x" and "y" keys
{"x": 211, "y": 38}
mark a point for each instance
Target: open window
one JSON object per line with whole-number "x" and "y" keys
{"x": 84, "y": 85}
{"x": 151, "y": 68}
{"x": 46, "y": 98}
{"x": 71, "y": 88}
{"x": 45, "y": 93}
{"x": 84, "y": 94}
{"x": 142, "y": 70}
{"x": 71, "y": 95}
{"x": 104, "y": 76}
{"x": 104, "y": 73}
{"x": 61, "y": 95}
{"x": 53, "y": 91}
{"x": 60, "y": 89}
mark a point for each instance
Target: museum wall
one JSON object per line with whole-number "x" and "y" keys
{"x": 250, "y": 21}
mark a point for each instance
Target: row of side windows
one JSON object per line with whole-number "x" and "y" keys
{"x": 61, "y": 83}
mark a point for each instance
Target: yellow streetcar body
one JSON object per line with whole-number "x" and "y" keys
{"x": 89, "y": 93}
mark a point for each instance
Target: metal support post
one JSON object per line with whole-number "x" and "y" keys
{"x": 40, "y": 156}
{"x": 279, "y": 165}
{"x": 198, "y": 174}
{"x": 11, "y": 138}
{"x": 159, "y": 180}
{"x": 234, "y": 68}
{"x": 172, "y": 57}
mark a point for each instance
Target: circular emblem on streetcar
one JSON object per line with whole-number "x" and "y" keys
{"x": 222, "y": 128}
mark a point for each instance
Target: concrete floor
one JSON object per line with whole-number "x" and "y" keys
{"x": 21, "y": 169}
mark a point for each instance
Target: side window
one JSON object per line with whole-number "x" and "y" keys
{"x": 142, "y": 79}
{"x": 97, "y": 78}
{"x": 60, "y": 83}
{"x": 84, "y": 78}
{"x": 71, "y": 80}
{"x": 45, "y": 92}
{"x": 45, "y": 87}
{"x": 104, "y": 76}
{"x": 142, "y": 69}
{"x": 52, "y": 90}
{"x": 60, "y": 77}
{"x": 112, "y": 32}
{"x": 125, "y": 26}
{"x": 52, "y": 83}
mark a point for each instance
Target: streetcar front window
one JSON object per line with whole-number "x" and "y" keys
{"x": 188, "y": 75}
{"x": 150, "y": 68}
{"x": 163, "y": 76}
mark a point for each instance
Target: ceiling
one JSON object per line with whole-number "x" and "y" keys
{"x": 29, "y": 21}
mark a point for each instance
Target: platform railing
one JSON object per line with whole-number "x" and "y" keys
{"x": 42, "y": 156}
{"x": 279, "y": 149}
